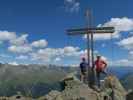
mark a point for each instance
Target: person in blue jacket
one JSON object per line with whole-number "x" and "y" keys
{"x": 83, "y": 69}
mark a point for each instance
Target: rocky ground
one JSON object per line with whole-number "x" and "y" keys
{"x": 73, "y": 89}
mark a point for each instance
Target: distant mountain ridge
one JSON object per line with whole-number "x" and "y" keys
{"x": 127, "y": 81}
{"x": 40, "y": 79}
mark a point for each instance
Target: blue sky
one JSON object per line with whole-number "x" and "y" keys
{"x": 33, "y": 31}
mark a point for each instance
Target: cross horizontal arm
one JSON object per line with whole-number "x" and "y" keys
{"x": 91, "y": 30}
{"x": 97, "y": 28}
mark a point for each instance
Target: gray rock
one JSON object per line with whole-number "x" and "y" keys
{"x": 113, "y": 88}
{"x": 76, "y": 90}
{"x": 51, "y": 96}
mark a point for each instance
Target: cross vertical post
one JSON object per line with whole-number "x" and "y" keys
{"x": 88, "y": 36}
{"x": 90, "y": 49}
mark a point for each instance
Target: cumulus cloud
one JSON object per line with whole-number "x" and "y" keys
{"x": 50, "y": 54}
{"x": 57, "y": 59}
{"x": 127, "y": 43}
{"x": 71, "y": 51}
{"x": 131, "y": 33}
{"x": 20, "y": 44}
{"x": 12, "y": 38}
{"x": 122, "y": 62}
{"x": 6, "y": 36}
{"x": 72, "y": 5}
{"x": 39, "y": 44}
{"x": 121, "y": 25}
{"x": 13, "y": 63}
{"x": 5, "y": 56}
{"x": 128, "y": 61}
{"x": 22, "y": 57}
{"x": 19, "y": 40}
{"x": 20, "y": 49}
{"x": 106, "y": 36}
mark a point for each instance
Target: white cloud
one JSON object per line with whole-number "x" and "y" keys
{"x": 104, "y": 58}
{"x": 6, "y": 36}
{"x": 71, "y": 51}
{"x": 43, "y": 55}
{"x": 5, "y": 56}
{"x": 50, "y": 54}
{"x": 127, "y": 43}
{"x": 128, "y": 61}
{"x": 130, "y": 55}
{"x": 72, "y": 5}
{"x": 70, "y": 1}
{"x": 39, "y": 44}
{"x": 121, "y": 25}
{"x": 131, "y": 52}
{"x": 1, "y": 42}
{"x": 121, "y": 62}
{"x": 57, "y": 59}
{"x": 22, "y": 57}
{"x": 131, "y": 33}
{"x": 20, "y": 49}
{"x": 106, "y": 36}
{"x": 13, "y": 63}
{"x": 19, "y": 40}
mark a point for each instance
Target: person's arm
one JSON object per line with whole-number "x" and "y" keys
{"x": 80, "y": 65}
{"x": 94, "y": 64}
{"x": 105, "y": 64}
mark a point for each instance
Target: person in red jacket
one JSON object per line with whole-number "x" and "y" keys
{"x": 100, "y": 66}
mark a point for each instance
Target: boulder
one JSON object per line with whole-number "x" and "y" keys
{"x": 73, "y": 89}
{"x": 113, "y": 88}
{"x": 76, "y": 90}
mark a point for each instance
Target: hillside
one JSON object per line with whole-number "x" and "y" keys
{"x": 37, "y": 80}
{"x": 127, "y": 81}
{"x": 30, "y": 80}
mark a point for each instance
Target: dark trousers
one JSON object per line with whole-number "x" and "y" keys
{"x": 98, "y": 74}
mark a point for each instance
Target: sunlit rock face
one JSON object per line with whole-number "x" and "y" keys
{"x": 76, "y": 90}
{"x": 113, "y": 88}
{"x": 50, "y": 96}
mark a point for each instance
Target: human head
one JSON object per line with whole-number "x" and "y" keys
{"x": 83, "y": 59}
{"x": 98, "y": 57}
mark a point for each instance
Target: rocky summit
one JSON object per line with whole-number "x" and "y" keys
{"x": 74, "y": 89}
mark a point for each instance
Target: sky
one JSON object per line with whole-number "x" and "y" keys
{"x": 34, "y": 31}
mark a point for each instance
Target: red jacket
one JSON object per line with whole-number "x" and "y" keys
{"x": 100, "y": 65}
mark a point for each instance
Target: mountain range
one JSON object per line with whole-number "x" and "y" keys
{"x": 36, "y": 80}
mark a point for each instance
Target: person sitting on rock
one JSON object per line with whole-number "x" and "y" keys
{"x": 83, "y": 69}
{"x": 100, "y": 65}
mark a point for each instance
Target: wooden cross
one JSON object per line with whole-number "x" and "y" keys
{"x": 90, "y": 31}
